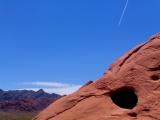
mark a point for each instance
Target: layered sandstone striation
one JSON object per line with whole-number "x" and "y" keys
{"x": 128, "y": 90}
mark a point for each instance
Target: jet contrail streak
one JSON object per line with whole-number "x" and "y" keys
{"x": 122, "y": 15}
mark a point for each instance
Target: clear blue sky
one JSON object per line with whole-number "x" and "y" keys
{"x": 68, "y": 41}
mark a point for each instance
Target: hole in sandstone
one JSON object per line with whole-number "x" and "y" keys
{"x": 124, "y": 98}
{"x": 133, "y": 114}
{"x": 155, "y": 77}
{"x": 146, "y": 110}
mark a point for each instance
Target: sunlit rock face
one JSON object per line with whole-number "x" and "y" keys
{"x": 128, "y": 90}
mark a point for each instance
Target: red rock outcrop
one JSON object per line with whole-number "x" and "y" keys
{"x": 128, "y": 90}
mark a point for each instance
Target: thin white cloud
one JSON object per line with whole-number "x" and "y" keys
{"x": 52, "y": 87}
{"x": 49, "y": 84}
{"x": 61, "y": 91}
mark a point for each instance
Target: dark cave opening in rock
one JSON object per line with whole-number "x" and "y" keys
{"x": 124, "y": 97}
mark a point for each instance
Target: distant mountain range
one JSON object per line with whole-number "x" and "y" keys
{"x": 25, "y": 100}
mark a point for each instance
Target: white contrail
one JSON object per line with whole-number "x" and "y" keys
{"x": 122, "y": 15}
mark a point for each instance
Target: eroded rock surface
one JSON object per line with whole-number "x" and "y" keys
{"x": 128, "y": 90}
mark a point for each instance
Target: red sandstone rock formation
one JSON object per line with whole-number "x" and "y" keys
{"x": 129, "y": 90}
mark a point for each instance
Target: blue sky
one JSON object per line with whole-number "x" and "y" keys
{"x": 58, "y": 45}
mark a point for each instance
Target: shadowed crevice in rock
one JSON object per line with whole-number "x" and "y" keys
{"x": 129, "y": 55}
{"x": 132, "y": 114}
{"x": 155, "y": 68}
